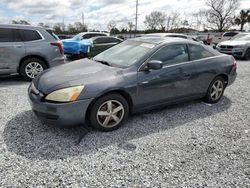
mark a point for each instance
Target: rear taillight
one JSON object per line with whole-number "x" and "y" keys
{"x": 59, "y": 45}
{"x": 234, "y": 63}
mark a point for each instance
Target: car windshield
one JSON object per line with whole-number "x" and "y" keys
{"x": 78, "y": 36}
{"x": 236, "y": 37}
{"x": 124, "y": 54}
{"x": 243, "y": 38}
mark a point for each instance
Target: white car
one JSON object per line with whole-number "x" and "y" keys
{"x": 226, "y": 36}
{"x": 170, "y": 35}
{"x": 239, "y": 46}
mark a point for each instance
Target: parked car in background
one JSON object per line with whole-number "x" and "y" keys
{"x": 170, "y": 35}
{"x": 239, "y": 46}
{"x": 28, "y": 50}
{"x": 224, "y": 37}
{"x": 78, "y": 46}
{"x": 136, "y": 75}
{"x": 63, "y": 36}
{"x": 100, "y": 44}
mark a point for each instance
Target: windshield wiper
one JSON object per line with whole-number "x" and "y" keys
{"x": 104, "y": 62}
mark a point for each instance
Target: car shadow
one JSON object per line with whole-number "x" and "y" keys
{"x": 26, "y": 136}
{"x": 11, "y": 80}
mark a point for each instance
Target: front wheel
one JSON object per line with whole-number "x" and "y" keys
{"x": 215, "y": 90}
{"x": 247, "y": 54}
{"x": 109, "y": 112}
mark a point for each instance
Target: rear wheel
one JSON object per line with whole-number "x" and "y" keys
{"x": 109, "y": 112}
{"x": 215, "y": 90}
{"x": 247, "y": 54}
{"x": 32, "y": 67}
{"x": 82, "y": 55}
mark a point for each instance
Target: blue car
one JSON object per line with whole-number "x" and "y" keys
{"x": 80, "y": 44}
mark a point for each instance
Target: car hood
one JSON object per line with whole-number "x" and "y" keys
{"x": 80, "y": 72}
{"x": 233, "y": 43}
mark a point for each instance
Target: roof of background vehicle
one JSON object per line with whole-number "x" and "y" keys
{"x": 158, "y": 40}
{"x": 82, "y": 33}
{"x": 20, "y": 26}
{"x": 93, "y": 38}
{"x": 164, "y": 34}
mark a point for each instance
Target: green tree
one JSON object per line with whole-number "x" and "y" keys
{"x": 23, "y": 22}
{"x": 155, "y": 21}
{"x": 243, "y": 18}
{"x": 220, "y": 14}
{"x": 80, "y": 27}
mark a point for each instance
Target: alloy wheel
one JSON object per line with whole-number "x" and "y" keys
{"x": 217, "y": 90}
{"x": 110, "y": 113}
{"x": 33, "y": 69}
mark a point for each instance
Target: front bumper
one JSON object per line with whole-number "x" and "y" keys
{"x": 58, "y": 114}
{"x": 234, "y": 52}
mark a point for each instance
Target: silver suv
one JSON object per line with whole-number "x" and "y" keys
{"x": 238, "y": 46}
{"x": 28, "y": 50}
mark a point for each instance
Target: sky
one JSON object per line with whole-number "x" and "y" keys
{"x": 97, "y": 13}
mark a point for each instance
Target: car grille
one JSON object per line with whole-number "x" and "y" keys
{"x": 226, "y": 47}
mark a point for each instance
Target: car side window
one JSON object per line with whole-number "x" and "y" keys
{"x": 100, "y": 40}
{"x": 198, "y": 52}
{"x": 30, "y": 35}
{"x": 112, "y": 40}
{"x": 6, "y": 35}
{"x": 17, "y": 36}
{"x": 172, "y": 54}
{"x": 87, "y": 36}
{"x": 230, "y": 34}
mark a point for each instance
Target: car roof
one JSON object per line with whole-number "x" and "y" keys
{"x": 159, "y": 40}
{"x": 93, "y": 38}
{"x": 82, "y": 33}
{"x": 19, "y": 26}
{"x": 165, "y": 34}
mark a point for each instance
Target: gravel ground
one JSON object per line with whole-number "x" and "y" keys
{"x": 187, "y": 145}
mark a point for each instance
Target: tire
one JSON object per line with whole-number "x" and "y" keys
{"x": 36, "y": 64}
{"x": 82, "y": 55}
{"x": 105, "y": 106}
{"x": 215, "y": 91}
{"x": 247, "y": 54}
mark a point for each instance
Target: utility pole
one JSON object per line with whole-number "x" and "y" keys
{"x": 136, "y": 16}
{"x": 63, "y": 25}
{"x": 82, "y": 18}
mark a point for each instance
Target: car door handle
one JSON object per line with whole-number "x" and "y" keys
{"x": 186, "y": 75}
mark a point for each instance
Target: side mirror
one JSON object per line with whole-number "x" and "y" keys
{"x": 154, "y": 65}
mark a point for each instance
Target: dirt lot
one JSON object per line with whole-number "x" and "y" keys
{"x": 186, "y": 145}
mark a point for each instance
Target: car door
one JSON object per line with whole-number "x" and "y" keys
{"x": 204, "y": 62}
{"x": 11, "y": 49}
{"x": 173, "y": 82}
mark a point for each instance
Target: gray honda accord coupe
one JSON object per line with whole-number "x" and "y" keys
{"x": 136, "y": 75}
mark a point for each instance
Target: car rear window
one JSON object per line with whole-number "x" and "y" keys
{"x": 30, "y": 35}
{"x": 6, "y": 35}
{"x": 101, "y": 40}
{"x": 52, "y": 34}
{"x": 231, "y": 34}
{"x": 112, "y": 40}
{"x": 198, "y": 52}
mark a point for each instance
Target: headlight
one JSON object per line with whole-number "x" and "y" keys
{"x": 239, "y": 47}
{"x": 65, "y": 95}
